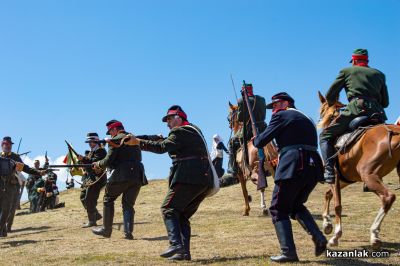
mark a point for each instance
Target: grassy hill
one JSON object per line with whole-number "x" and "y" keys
{"x": 221, "y": 235}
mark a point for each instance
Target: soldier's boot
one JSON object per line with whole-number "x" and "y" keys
{"x": 285, "y": 236}
{"x": 128, "y": 224}
{"x": 306, "y": 220}
{"x": 3, "y": 231}
{"x": 186, "y": 234}
{"x": 92, "y": 220}
{"x": 108, "y": 217}
{"x": 98, "y": 216}
{"x": 327, "y": 152}
{"x": 174, "y": 236}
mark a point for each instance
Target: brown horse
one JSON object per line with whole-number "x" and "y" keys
{"x": 371, "y": 158}
{"x": 249, "y": 171}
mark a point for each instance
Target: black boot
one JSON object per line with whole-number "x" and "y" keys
{"x": 174, "y": 236}
{"x": 306, "y": 220}
{"x": 92, "y": 220}
{"x": 128, "y": 224}
{"x": 327, "y": 152}
{"x": 186, "y": 234}
{"x": 285, "y": 236}
{"x": 108, "y": 217}
{"x": 98, "y": 216}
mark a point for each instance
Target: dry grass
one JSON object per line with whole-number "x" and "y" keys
{"x": 222, "y": 236}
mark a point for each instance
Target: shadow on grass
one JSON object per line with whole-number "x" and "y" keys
{"x": 22, "y": 213}
{"x": 17, "y": 243}
{"x": 347, "y": 261}
{"x": 30, "y": 229}
{"x": 160, "y": 238}
{"x": 386, "y": 246}
{"x": 226, "y": 259}
{"x": 32, "y": 233}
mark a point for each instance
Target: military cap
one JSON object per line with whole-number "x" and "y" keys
{"x": 359, "y": 54}
{"x": 175, "y": 110}
{"x": 282, "y": 96}
{"x": 112, "y": 124}
{"x": 7, "y": 139}
{"x": 92, "y": 136}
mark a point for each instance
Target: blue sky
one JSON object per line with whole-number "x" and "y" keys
{"x": 67, "y": 67}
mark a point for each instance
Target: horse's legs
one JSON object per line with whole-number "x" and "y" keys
{"x": 262, "y": 203}
{"x": 245, "y": 194}
{"x": 398, "y": 173}
{"x": 327, "y": 221}
{"x": 334, "y": 241}
{"x": 375, "y": 183}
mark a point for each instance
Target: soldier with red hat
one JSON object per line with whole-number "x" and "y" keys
{"x": 367, "y": 94}
{"x": 190, "y": 178}
{"x": 126, "y": 179}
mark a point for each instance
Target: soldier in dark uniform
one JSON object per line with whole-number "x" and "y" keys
{"x": 259, "y": 110}
{"x": 92, "y": 182}
{"x": 32, "y": 178}
{"x": 367, "y": 94}
{"x": 9, "y": 186}
{"x": 127, "y": 178}
{"x": 189, "y": 180}
{"x": 298, "y": 171}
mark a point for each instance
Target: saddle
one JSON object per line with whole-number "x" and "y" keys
{"x": 358, "y": 126}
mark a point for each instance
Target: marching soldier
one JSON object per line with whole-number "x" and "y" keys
{"x": 92, "y": 181}
{"x": 127, "y": 178}
{"x": 367, "y": 94}
{"x": 298, "y": 171}
{"x": 189, "y": 180}
{"x": 9, "y": 186}
{"x": 259, "y": 110}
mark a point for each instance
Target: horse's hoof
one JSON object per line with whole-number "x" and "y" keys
{"x": 328, "y": 228}
{"x": 249, "y": 198}
{"x": 246, "y": 214}
{"x": 333, "y": 242}
{"x": 376, "y": 244}
{"x": 265, "y": 212}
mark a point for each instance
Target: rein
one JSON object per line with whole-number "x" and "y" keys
{"x": 390, "y": 134}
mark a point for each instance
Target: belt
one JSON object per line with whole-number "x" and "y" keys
{"x": 362, "y": 97}
{"x": 188, "y": 158}
{"x": 297, "y": 147}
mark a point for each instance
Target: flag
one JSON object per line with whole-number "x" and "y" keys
{"x": 72, "y": 158}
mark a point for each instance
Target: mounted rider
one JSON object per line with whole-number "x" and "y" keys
{"x": 245, "y": 134}
{"x": 367, "y": 94}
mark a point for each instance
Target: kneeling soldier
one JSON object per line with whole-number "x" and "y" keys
{"x": 189, "y": 180}
{"x": 298, "y": 171}
{"x": 126, "y": 179}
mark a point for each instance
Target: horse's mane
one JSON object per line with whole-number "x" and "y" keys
{"x": 328, "y": 113}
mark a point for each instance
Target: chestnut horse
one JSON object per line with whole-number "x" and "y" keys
{"x": 249, "y": 171}
{"x": 368, "y": 160}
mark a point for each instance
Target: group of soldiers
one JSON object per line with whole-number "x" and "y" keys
{"x": 191, "y": 178}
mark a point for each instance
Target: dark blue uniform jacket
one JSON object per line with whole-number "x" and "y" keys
{"x": 288, "y": 128}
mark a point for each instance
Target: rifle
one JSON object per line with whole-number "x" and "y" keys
{"x": 69, "y": 165}
{"x": 262, "y": 180}
{"x": 24, "y": 153}
{"x": 116, "y": 143}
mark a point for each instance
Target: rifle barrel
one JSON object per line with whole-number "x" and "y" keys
{"x": 69, "y": 165}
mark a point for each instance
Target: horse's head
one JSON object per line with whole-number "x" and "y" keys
{"x": 328, "y": 113}
{"x": 232, "y": 117}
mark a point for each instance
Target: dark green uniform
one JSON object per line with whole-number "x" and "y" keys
{"x": 90, "y": 193}
{"x": 258, "y": 106}
{"x": 29, "y": 187}
{"x": 126, "y": 178}
{"x": 367, "y": 94}
{"x": 9, "y": 190}
{"x": 190, "y": 179}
